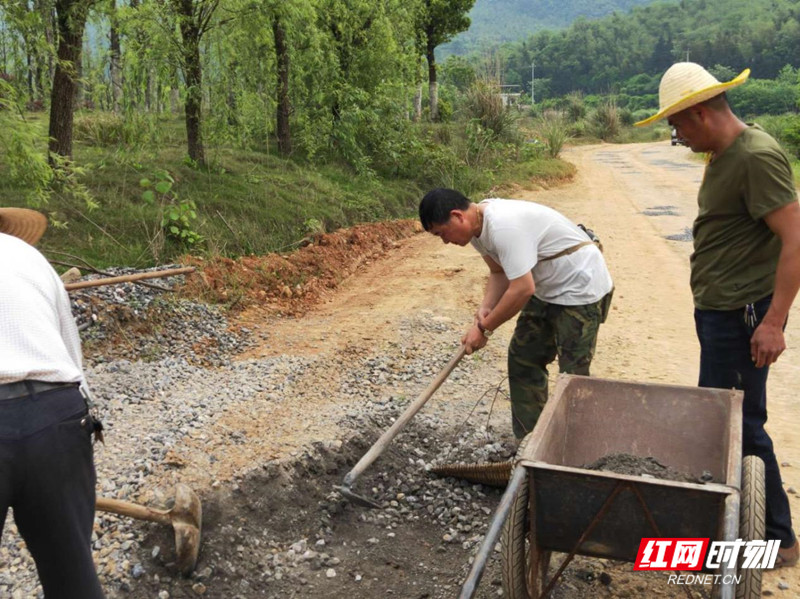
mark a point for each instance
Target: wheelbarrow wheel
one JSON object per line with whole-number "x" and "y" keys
{"x": 524, "y": 565}
{"x": 752, "y": 522}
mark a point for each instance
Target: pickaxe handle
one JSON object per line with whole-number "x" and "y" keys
{"x": 134, "y": 510}
{"x": 380, "y": 445}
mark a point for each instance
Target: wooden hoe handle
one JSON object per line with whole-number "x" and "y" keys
{"x": 134, "y": 510}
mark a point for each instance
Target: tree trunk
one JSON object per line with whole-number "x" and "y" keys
{"x": 80, "y": 82}
{"x": 136, "y": 74}
{"x": 116, "y": 61}
{"x": 433, "y": 86}
{"x": 49, "y": 17}
{"x": 71, "y": 19}
{"x": 193, "y": 74}
{"x": 42, "y": 59}
{"x": 284, "y": 108}
{"x": 29, "y": 62}
{"x": 148, "y": 90}
{"x": 175, "y": 97}
{"x": 417, "y": 116}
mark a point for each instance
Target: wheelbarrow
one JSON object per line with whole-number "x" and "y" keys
{"x": 554, "y": 504}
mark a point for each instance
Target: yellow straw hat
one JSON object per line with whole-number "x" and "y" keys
{"x": 26, "y": 224}
{"x": 686, "y": 84}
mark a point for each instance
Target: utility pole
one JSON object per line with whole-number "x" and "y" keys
{"x": 533, "y": 78}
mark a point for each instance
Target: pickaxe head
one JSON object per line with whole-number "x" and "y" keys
{"x": 355, "y": 498}
{"x": 187, "y": 521}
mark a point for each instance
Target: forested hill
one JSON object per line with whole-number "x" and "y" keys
{"x": 603, "y": 55}
{"x": 496, "y": 21}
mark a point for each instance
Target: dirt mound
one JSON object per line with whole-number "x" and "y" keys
{"x": 290, "y": 283}
{"x": 632, "y": 465}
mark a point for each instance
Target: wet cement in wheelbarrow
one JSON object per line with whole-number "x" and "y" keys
{"x": 633, "y": 465}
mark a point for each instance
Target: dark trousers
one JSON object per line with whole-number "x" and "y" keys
{"x": 47, "y": 477}
{"x": 726, "y": 363}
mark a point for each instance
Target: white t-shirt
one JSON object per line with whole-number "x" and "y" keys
{"x": 518, "y": 235}
{"x": 38, "y": 336}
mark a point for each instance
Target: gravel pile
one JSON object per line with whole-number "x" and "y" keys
{"x": 134, "y": 321}
{"x": 163, "y": 419}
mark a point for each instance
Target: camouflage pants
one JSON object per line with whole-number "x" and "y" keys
{"x": 543, "y": 332}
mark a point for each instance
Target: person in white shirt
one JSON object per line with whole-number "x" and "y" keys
{"x": 543, "y": 267}
{"x": 47, "y": 474}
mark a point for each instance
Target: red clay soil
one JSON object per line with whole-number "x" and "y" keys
{"x": 291, "y": 283}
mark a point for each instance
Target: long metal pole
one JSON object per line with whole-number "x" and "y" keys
{"x": 533, "y": 78}
{"x": 495, "y": 527}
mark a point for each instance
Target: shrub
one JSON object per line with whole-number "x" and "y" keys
{"x": 763, "y": 96}
{"x": 790, "y": 136}
{"x": 575, "y": 107}
{"x": 605, "y": 120}
{"x": 778, "y": 126}
{"x": 626, "y": 117}
{"x": 553, "y": 130}
{"x": 484, "y": 103}
{"x": 110, "y": 129}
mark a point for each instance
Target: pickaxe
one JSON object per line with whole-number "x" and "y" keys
{"x": 185, "y": 517}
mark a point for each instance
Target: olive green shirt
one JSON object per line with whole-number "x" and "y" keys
{"x": 735, "y": 252}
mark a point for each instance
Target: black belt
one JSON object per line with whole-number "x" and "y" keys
{"x": 23, "y": 388}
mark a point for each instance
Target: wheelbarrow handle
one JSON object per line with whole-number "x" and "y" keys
{"x": 470, "y": 586}
{"x": 380, "y": 445}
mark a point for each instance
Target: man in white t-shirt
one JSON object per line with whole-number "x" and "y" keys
{"x": 543, "y": 267}
{"x": 47, "y": 474}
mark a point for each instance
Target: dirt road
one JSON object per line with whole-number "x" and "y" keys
{"x": 640, "y": 199}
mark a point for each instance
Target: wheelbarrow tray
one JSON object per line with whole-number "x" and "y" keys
{"x": 690, "y": 429}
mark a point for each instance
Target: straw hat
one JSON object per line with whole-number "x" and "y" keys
{"x": 26, "y": 224}
{"x": 686, "y": 84}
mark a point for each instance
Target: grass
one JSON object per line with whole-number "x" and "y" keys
{"x": 796, "y": 171}
{"x": 657, "y": 132}
{"x": 248, "y": 202}
{"x": 544, "y": 169}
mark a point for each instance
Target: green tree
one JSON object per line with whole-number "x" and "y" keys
{"x": 440, "y": 20}
{"x": 194, "y": 20}
{"x": 71, "y": 20}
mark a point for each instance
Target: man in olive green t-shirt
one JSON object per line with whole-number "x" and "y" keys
{"x": 745, "y": 269}
{"x": 736, "y": 253}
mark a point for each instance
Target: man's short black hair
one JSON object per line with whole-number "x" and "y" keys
{"x": 435, "y": 207}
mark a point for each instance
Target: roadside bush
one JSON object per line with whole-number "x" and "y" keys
{"x": 763, "y": 96}
{"x": 605, "y": 121}
{"x": 626, "y": 117}
{"x": 485, "y": 104}
{"x": 553, "y": 130}
{"x": 577, "y": 129}
{"x": 790, "y": 136}
{"x": 780, "y": 126}
{"x": 575, "y": 107}
{"x": 642, "y": 114}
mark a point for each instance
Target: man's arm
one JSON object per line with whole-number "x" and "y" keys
{"x": 495, "y": 288}
{"x": 768, "y": 342}
{"x": 515, "y": 295}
